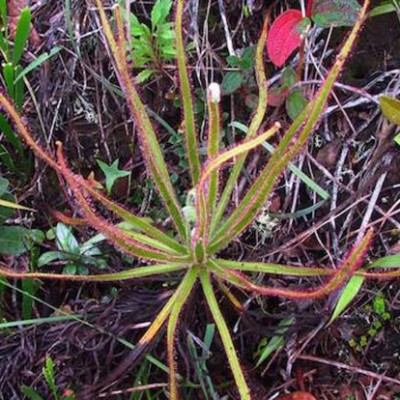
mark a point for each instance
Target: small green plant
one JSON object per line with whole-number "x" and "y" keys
{"x": 267, "y": 347}
{"x": 12, "y": 75}
{"x": 193, "y": 253}
{"x": 74, "y": 256}
{"x": 112, "y": 173}
{"x": 244, "y": 63}
{"x": 50, "y": 378}
{"x": 14, "y": 239}
{"x": 152, "y": 47}
{"x": 377, "y": 316}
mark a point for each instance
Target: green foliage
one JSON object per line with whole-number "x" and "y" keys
{"x": 391, "y": 110}
{"x": 112, "y": 173}
{"x": 267, "y": 347}
{"x": 14, "y": 157}
{"x": 349, "y": 292}
{"x": 193, "y": 253}
{"x": 50, "y": 379}
{"x": 295, "y": 103}
{"x": 153, "y": 46}
{"x": 377, "y": 316}
{"x": 233, "y": 80}
{"x": 200, "y": 352}
{"x": 73, "y": 256}
{"x": 14, "y": 240}
{"x": 384, "y": 7}
{"x": 327, "y": 13}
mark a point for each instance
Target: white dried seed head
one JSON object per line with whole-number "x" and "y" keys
{"x": 214, "y": 92}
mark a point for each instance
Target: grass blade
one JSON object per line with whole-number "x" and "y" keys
{"x": 392, "y": 261}
{"x": 9, "y": 134}
{"x": 349, "y": 292}
{"x": 35, "y": 321}
{"x": 9, "y": 204}
{"x": 22, "y": 34}
{"x": 37, "y": 62}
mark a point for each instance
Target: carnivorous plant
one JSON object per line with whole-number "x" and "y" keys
{"x": 193, "y": 253}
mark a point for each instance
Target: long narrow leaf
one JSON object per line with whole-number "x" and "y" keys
{"x": 248, "y": 208}
{"x": 275, "y": 269}
{"x": 10, "y": 134}
{"x": 37, "y": 62}
{"x": 253, "y": 128}
{"x": 22, "y": 34}
{"x": 348, "y": 268}
{"x": 139, "y": 272}
{"x": 346, "y": 297}
{"x": 8, "y": 75}
{"x": 186, "y": 94}
{"x": 148, "y": 139}
{"x": 214, "y": 129}
{"x": 226, "y": 337}
{"x": 180, "y": 301}
{"x": 10, "y": 204}
{"x": 212, "y": 166}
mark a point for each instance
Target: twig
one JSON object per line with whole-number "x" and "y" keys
{"x": 356, "y": 370}
{"x": 228, "y": 38}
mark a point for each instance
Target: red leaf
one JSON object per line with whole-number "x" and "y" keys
{"x": 309, "y": 8}
{"x": 284, "y": 36}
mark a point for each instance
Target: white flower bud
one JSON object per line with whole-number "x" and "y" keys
{"x": 214, "y": 92}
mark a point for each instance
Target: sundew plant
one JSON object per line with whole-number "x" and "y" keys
{"x": 193, "y": 254}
